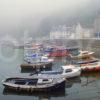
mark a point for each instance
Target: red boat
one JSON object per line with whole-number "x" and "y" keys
{"x": 61, "y": 51}
{"x": 58, "y": 53}
{"x": 90, "y": 67}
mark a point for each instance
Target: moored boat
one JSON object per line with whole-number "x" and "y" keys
{"x": 67, "y": 71}
{"x": 82, "y": 55}
{"x": 85, "y": 61}
{"x": 58, "y": 53}
{"x": 61, "y": 51}
{"x": 90, "y": 67}
{"x": 41, "y": 63}
{"x": 34, "y": 84}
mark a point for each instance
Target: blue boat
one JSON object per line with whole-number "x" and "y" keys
{"x": 68, "y": 71}
{"x": 86, "y": 61}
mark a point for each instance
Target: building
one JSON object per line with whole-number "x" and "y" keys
{"x": 74, "y": 32}
{"x": 81, "y": 33}
{"x": 97, "y": 27}
{"x": 61, "y": 32}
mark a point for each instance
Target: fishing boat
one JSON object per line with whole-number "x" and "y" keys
{"x": 67, "y": 71}
{"x": 58, "y": 53}
{"x": 62, "y": 51}
{"x": 41, "y": 63}
{"x": 90, "y": 67}
{"x": 34, "y": 84}
{"x": 82, "y": 55}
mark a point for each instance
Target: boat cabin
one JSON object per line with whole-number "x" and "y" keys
{"x": 36, "y": 81}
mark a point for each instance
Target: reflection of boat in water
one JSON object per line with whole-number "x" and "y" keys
{"x": 92, "y": 74}
{"x": 71, "y": 81}
{"x": 39, "y": 94}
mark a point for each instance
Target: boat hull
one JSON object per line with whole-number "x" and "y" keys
{"x": 58, "y": 54}
{"x": 60, "y": 93}
{"x": 73, "y": 73}
{"x": 57, "y": 87}
{"x": 82, "y": 56}
{"x": 47, "y": 65}
{"x": 91, "y": 69}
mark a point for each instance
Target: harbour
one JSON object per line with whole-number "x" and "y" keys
{"x": 50, "y": 50}
{"x": 84, "y": 87}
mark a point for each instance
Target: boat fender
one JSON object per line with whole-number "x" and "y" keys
{"x": 18, "y": 88}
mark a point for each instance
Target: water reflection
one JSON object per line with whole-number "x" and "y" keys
{"x": 7, "y": 91}
{"x": 71, "y": 81}
{"x": 92, "y": 74}
{"x": 39, "y": 95}
{"x": 90, "y": 78}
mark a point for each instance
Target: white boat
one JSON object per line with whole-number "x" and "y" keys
{"x": 40, "y": 63}
{"x": 67, "y": 71}
{"x": 46, "y": 59}
{"x": 82, "y": 54}
{"x": 40, "y": 59}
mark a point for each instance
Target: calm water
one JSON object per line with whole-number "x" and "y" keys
{"x": 82, "y": 88}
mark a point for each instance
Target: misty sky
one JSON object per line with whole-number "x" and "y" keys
{"x": 19, "y": 15}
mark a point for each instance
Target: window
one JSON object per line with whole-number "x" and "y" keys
{"x": 68, "y": 70}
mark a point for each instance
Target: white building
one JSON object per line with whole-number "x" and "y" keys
{"x": 97, "y": 27}
{"x": 75, "y": 32}
{"x": 81, "y": 32}
{"x": 62, "y": 32}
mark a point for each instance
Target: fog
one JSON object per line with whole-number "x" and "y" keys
{"x": 37, "y": 17}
